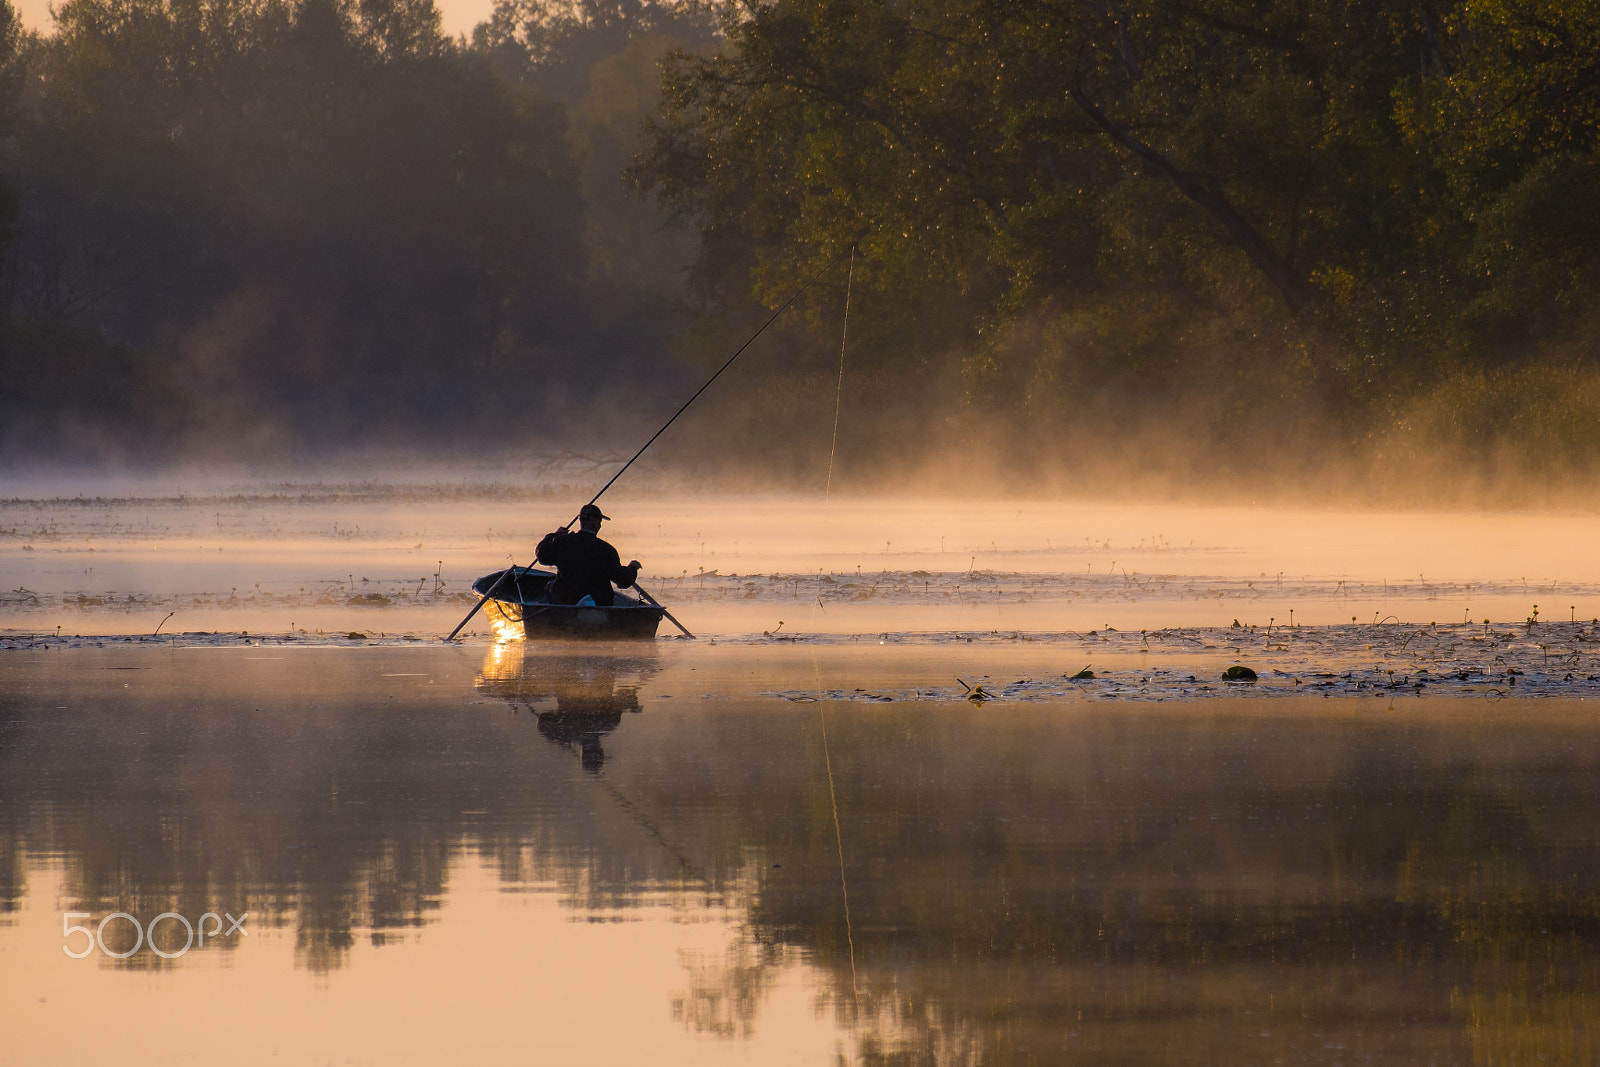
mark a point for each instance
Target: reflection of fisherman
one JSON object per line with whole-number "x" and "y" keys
{"x": 591, "y": 693}
{"x": 590, "y": 703}
{"x": 583, "y": 730}
{"x": 585, "y": 565}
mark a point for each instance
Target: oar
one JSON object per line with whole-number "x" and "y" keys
{"x": 637, "y": 588}
{"x": 493, "y": 589}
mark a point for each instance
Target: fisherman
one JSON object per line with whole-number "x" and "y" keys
{"x": 585, "y": 565}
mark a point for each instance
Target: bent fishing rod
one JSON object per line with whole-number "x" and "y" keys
{"x": 509, "y": 571}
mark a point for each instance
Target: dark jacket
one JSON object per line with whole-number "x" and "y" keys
{"x": 584, "y": 565}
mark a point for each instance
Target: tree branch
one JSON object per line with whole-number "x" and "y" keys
{"x": 1291, "y": 287}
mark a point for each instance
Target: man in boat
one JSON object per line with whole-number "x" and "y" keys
{"x": 585, "y": 565}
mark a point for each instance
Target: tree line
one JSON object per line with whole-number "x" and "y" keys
{"x": 1234, "y": 226}
{"x": 1179, "y": 231}
{"x": 249, "y": 228}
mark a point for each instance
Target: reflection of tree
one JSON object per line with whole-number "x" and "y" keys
{"x": 1534, "y": 1013}
{"x": 1126, "y": 885}
{"x": 319, "y": 801}
{"x": 11, "y": 881}
{"x": 724, "y": 996}
{"x": 578, "y": 695}
{"x": 1146, "y": 888}
{"x": 323, "y": 821}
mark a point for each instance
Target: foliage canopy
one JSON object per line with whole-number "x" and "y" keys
{"x": 1202, "y": 228}
{"x": 1120, "y": 214}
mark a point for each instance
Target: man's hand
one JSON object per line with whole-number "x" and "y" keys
{"x": 634, "y": 564}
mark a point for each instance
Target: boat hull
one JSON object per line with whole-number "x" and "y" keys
{"x": 520, "y": 601}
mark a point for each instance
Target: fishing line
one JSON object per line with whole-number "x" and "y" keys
{"x": 798, "y": 293}
{"x": 838, "y": 396}
{"x": 816, "y": 665}
{"x": 838, "y": 401}
{"x": 649, "y": 828}
{"x": 838, "y": 840}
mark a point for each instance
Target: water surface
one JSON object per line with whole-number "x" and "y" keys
{"x": 396, "y": 558}
{"x": 678, "y": 853}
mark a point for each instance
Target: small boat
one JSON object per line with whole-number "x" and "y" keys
{"x": 520, "y": 602}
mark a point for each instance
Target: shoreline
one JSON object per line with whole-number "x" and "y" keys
{"x": 1387, "y": 658}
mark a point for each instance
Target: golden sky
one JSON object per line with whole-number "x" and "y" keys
{"x": 459, "y": 15}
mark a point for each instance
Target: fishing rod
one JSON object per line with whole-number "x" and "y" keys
{"x": 508, "y": 572}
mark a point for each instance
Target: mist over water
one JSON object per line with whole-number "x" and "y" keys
{"x": 395, "y": 557}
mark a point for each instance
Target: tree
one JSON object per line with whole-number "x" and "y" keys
{"x": 324, "y": 219}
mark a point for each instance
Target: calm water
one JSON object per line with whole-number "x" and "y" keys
{"x": 395, "y": 559}
{"x": 495, "y": 854}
